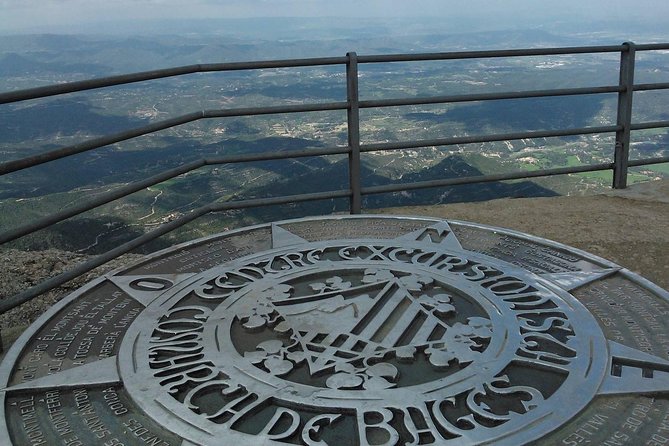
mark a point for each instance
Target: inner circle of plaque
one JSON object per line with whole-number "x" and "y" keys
{"x": 390, "y": 322}
{"x": 352, "y": 327}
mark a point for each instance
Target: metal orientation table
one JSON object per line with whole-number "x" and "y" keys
{"x": 352, "y": 330}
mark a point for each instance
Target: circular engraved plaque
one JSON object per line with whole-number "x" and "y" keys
{"x": 349, "y": 331}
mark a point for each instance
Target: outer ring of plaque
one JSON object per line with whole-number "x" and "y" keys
{"x": 534, "y": 432}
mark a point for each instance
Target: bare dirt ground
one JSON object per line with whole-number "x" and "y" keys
{"x": 629, "y": 227}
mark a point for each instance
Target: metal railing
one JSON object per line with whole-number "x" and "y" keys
{"x": 353, "y": 150}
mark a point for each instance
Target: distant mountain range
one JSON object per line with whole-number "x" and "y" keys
{"x": 13, "y": 64}
{"x": 59, "y": 117}
{"x": 78, "y": 233}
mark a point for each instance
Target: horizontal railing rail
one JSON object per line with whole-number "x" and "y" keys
{"x": 110, "y": 81}
{"x": 52, "y": 155}
{"x": 487, "y": 138}
{"x": 124, "y": 79}
{"x": 353, "y": 150}
{"x": 490, "y": 96}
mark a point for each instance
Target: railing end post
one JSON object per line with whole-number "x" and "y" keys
{"x": 353, "y": 123}
{"x": 620, "y": 166}
{"x": 624, "y": 116}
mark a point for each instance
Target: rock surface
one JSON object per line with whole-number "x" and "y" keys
{"x": 20, "y": 270}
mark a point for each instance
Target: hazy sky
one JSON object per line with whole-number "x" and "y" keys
{"x": 46, "y": 15}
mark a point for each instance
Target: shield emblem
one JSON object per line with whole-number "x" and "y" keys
{"x": 344, "y": 323}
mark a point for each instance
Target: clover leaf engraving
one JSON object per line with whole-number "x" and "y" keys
{"x": 411, "y": 282}
{"x": 373, "y": 275}
{"x": 261, "y": 315}
{"x": 334, "y": 283}
{"x": 264, "y": 313}
{"x": 414, "y": 282}
{"x": 379, "y": 376}
{"x": 439, "y": 304}
{"x": 343, "y": 380}
{"x": 440, "y": 355}
{"x": 277, "y": 292}
{"x": 405, "y": 353}
{"x": 462, "y": 343}
{"x": 275, "y": 357}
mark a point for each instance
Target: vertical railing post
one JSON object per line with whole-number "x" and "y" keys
{"x": 624, "y": 119}
{"x": 353, "y": 122}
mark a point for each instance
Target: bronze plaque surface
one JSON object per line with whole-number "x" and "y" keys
{"x": 362, "y": 330}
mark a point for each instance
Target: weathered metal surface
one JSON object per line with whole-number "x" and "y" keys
{"x": 348, "y": 330}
